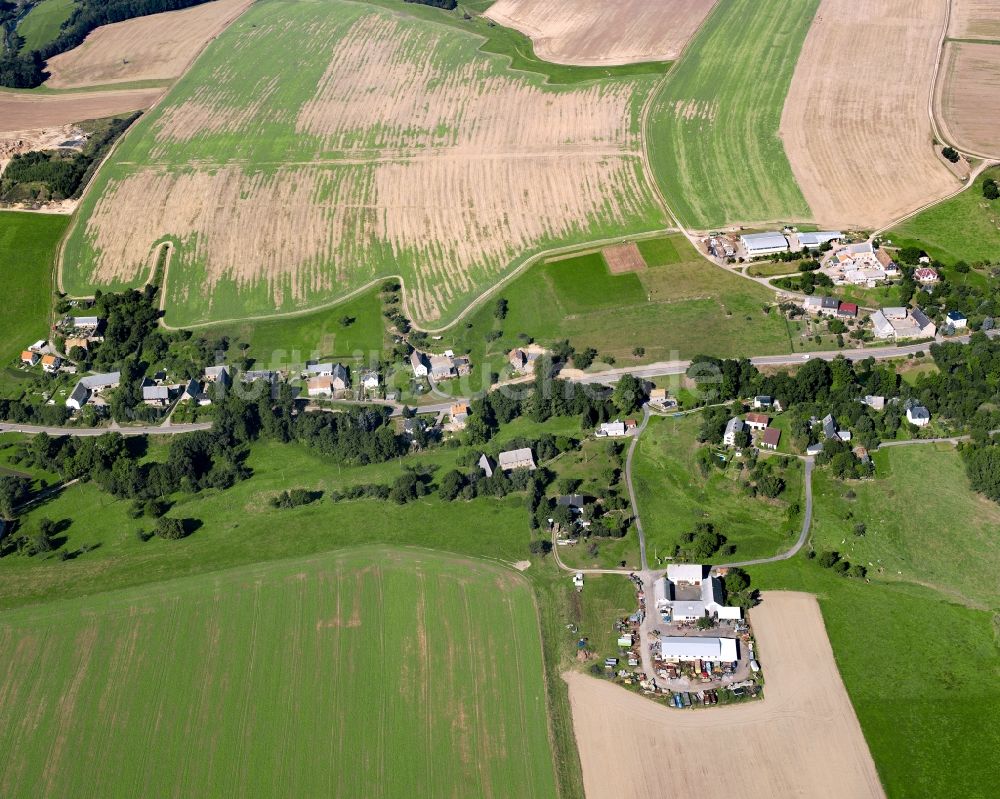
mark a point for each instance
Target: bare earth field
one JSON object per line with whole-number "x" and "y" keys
{"x": 392, "y": 146}
{"x": 974, "y": 19}
{"x": 855, "y": 123}
{"x": 802, "y": 740}
{"x": 24, "y": 112}
{"x": 598, "y": 33}
{"x": 154, "y": 47}
{"x": 967, "y": 106}
{"x": 624, "y": 258}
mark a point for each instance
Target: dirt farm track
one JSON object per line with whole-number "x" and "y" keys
{"x": 802, "y": 740}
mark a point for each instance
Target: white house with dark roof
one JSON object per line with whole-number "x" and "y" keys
{"x": 733, "y": 426}
{"x": 419, "y": 365}
{"x": 918, "y": 415}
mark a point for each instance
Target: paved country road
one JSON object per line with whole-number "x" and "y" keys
{"x": 147, "y": 430}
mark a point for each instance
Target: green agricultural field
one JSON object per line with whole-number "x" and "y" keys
{"x": 41, "y": 25}
{"x": 712, "y": 133}
{"x": 919, "y": 668}
{"x": 686, "y": 306}
{"x": 964, "y": 228}
{"x": 369, "y": 672}
{"x": 339, "y": 167}
{"x": 27, "y": 251}
{"x": 674, "y": 496}
{"x": 951, "y": 543}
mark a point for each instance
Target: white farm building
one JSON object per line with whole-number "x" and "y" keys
{"x": 686, "y": 594}
{"x": 816, "y": 240}
{"x": 757, "y": 244}
{"x": 675, "y": 649}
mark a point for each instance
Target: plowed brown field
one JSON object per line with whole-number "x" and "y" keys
{"x": 20, "y": 112}
{"x": 155, "y": 47}
{"x": 600, "y": 33}
{"x": 856, "y": 124}
{"x": 803, "y": 739}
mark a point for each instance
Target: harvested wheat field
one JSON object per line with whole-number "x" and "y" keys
{"x": 598, "y": 33}
{"x": 967, "y": 107}
{"x": 23, "y": 112}
{"x": 154, "y": 47}
{"x": 803, "y": 739}
{"x": 974, "y": 19}
{"x": 855, "y": 124}
{"x": 391, "y": 145}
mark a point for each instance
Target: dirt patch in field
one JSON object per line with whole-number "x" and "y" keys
{"x": 803, "y": 739}
{"x": 154, "y": 47}
{"x": 967, "y": 105}
{"x": 624, "y": 258}
{"x": 855, "y": 124}
{"x": 24, "y": 112}
{"x": 598, "y": 33}
{"x": 975, "y": 19}
{"x": 15, "y": 142}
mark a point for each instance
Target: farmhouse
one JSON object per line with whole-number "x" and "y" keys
{"x": 156, "y": 396}
{"x": 957, "y": 320}
{"x": 918, "y": 415}
{"x": 733, "y": 426}
{"x": 87, "y": 325}
{"x": 886, "y": 262}
{"x": 419, "y": 364}
{"x": 87, "y": 386}
{"x": 926, "y": 275}
{"x": 847, "y": 310}
{"x": 218, "y": 374}
{"x": 686, "y": 593}
{"x": 459, "y": 414}
{"x": 675, "y": 649}
{"x": 615, "y": 429}
{"x": 51, "y": 363}
{"x": 28, "y": 357}
{"x": 758, "y": 244}
{"x": 765, "y": 402}
{"x": 829, "y": 427}
{"x": 757, "y": 421}
{"x": 253, "y": 375}
{"x": 369, "y": 380}
{"x": 901, "y": 323}
{"x": 771, "y": 437}
{"x": 826, "y": 306}
{"x": 442, "y": 367}
{"x": 516, "y": 459}
{"x": 319, "y": 369}
{"x": 814, "y": 241}
{"x": 320, "y": 387}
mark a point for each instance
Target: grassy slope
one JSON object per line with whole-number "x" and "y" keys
{"x": 688, "y": 306}
{"x": 370, "y": 672}
{"x": 713, "y": 130}
{"x": 964, "y": 228}
{"x": 41, "y": 25}
{"x": 673, "y": 496}
{"x": 27, "y": 248}
{"x": 275, "y": 141}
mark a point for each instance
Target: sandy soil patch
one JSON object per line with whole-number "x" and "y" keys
{"x": 624, "y": 258}
{"x": 974, "y": 19}
{"x": 154, "y": 47}
{"x": 21, "y": 112}
{"x": 855, "y": 124}
{"x": 15, "y": 142}
{"x": 453, "y": 170}
{"x": 599, "y": 33}
{"x": 967, "y": 106}
{"x": 802, "y": 740}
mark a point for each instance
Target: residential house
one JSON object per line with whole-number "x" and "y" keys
{"x": 156, "y": 396}
{"x": 861, "y": 453}
{"x": 757, "y": 421}
{"x": 825, "y": 306}
{"x": 218, "y": 374}
{"x": 339, "y": 379}
{"x": 30, "y": 358}
{"x": 572, "y": 501}
{"x": 443, "y": 367}
{"x": 518, "y": 360}
{"x": 253, "y": 375}
{"x": 84, "y": 324}
{"x": 829, "y": 427}
{"x": 764, "y": 402}
{"x": 918, "y": 415}
{"x": 369, "y": 379}
{"x": 847, "y": 310}
{"x": 771, "y": 437}
{"x": 516, "y": 459}
{"x": 51, "y": 363}
{"x": 419, "y": 364}
{"x": 957, "y": 320}
{"x": 78, "y": 397}
{"x": 193, "y": 393}
{"x": 486, "y": 465}
{"x": 319, "y": 369}
{"x": 459, "y": 414}
{"x": 814, "y": 449}
{"x": 615, "y": 429}
{"x": 885, "y": 260}
{"x": 657, "y": 395}
{"x": 902, "y": 323}
{"x": 881, "y": 326}
{"x": 413, "y": 426}
{"x": 926, "y": 275}
{"x": 733, "y": 427}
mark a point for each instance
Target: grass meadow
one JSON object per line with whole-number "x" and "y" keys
{"x": 367, "y": 672}
{"x": 679, "y": 307}
{"x": 27, "y": 249}
{"x": 712, "y": 133}
{"x": 674, "y": 496}
{"x": 963, "y": 228}
{"x": 41, "y": 24}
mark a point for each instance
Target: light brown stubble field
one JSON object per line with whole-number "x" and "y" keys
{"x": 967, "y": 102}
{"x": 974, "y": 19}
{"x": 21, "y": 112}
{"x": 856, "y": 125}
{"x": 803, "y": 739}
{"x": 154, "y": 47}
{"x": 598, "y": 33}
